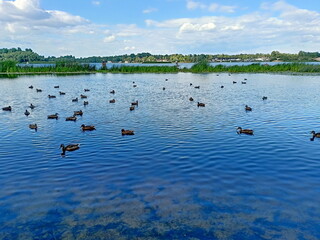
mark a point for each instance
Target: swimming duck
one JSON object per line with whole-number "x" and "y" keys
{"x": 222, "y": 86}
{"x": 31, "y": 87}
{"x": 51, "y": 96}
{"x": 83, "y": 96}
{"x": 247, "y": 108}
{"x": 112, "y": 101}
{"x": 191, "y": 99}
{"x": 7, "y": 108}
{"x": 32, "y": 106}
{"x": 87, "y": 127}
{"x": 85, "y": 103}
{"x": 314, "y": 135}
{"x": 78, "y": 113}
{"x": 127, "y": 132}
{"x": 135, "y": 103}
{"x": 56, "y": 86}
{"x": 201, "y": 104}
{"x": 190, "y": 84}
{"x": 163, "y": 88}
{"x": 197, "y": 87}
{"x": 71, "y": 119}
{"x": 27, "y": 113}
{"x": 75, "y": 100}
{"x": 166, "y": 79}
{"x": 243, "y": 82}
{"x": 33, "y": 126}
{"x": 38, "y": 90}
{"x": 264, "y": 98}
{"x": 87, "y": 90}
{"x": 53, "y": 116}
{"x": 69, "y": 148}
{"x": 62, "y": 93}
{"x": 234, "y": 82}
{"x": 131, "y": 108}
{"x": 245, "y": 131}
{"x": 112, "y": 91}
{"x": 134, "y": 85}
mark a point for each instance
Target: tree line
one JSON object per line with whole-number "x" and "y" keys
{"x": 29, "y": 56}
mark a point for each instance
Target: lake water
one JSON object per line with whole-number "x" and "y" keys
{"x": 185, "y": 174}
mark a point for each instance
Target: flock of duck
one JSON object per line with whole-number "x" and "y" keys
{"x": 73, "y": 147}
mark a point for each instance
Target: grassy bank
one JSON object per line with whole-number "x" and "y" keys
{"x": 9, "y": 67}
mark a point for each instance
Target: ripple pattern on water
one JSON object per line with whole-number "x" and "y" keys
{"x": 185, "y": 174}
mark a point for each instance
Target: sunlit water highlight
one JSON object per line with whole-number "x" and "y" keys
{"x": 185, "y": 174}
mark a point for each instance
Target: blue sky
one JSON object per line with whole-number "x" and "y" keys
{"x": 113, "y": 27}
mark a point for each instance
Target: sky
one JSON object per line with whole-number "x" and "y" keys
{"x": 85, "y": 28}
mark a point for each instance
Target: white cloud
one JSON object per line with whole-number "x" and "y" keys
{"x": 149, "y": 10}
{"x": 97, "y": 3}
{"x": 194, "y": 5}
{"x": 129, "y": 48}
{"x": 189, "y": 27}
{"x": 214, "y": 7}
{"x": 109, "y": 39}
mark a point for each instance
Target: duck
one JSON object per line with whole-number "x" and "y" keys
{"x": 69, "y": 148}
{"x": 166, "y": 79}
{"x": 56, "y": 86}
{"x": 83, "y": 96}
{"x": 136, "y": 103}
{"x": 78, "y": 113}
{"x": 31, "y": 87}
{"x": 197, "y": 87}
{"x": 131, "y": 108}
{"x": 75, "y": 100}
{"x": 243, "y": 82}
{"x": 264, "y": 98}
{"x": 191, "y": 99}
{"x": 127, "y": 132}
{"x": 222, "y": 86}
{"x": 314, "y": 135}
{"x": 112, "y": 91}
{"x": 245, "y": 131}
{"x": 87, "y": 127}
{"x": 85, "y": 103}
{"x": 112, "y": 101}
{"x": 135, "y": 85}
{"x": 27, "y": 113}
{"x": 62, "y": 93}
{"x": 201, "y": 104}
{"x": 7, "y": 108}
{"x": 71, "y": 119}
{"x": 32, "y": 106}
{"x": 33, "y": 126}
{"x": 53, "y": 116}
{"x": 190, "y": 84}
{"x": 163, "y": 88}
{"x": 39, "y": 90}
{"x": 87, "y": 90}
{"x": 234, "y": 82}
{"x": 247, "y": 108}
{"x": 51, "y": 96}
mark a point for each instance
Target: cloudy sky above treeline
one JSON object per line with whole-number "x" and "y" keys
{"x": 113, "y": 27}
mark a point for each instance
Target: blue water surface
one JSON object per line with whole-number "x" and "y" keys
{"x": 185, "y": 174}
